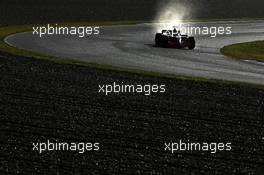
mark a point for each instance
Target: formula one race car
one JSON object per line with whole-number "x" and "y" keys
{"x": 174, "y": 38}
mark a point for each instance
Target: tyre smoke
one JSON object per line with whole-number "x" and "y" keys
{"x": 172, "y": 13}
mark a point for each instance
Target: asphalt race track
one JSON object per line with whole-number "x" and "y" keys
{"x": 133, "y": 46}
{"x": 42, "y": 100}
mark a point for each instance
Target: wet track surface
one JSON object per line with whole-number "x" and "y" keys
{"x": 132, "y": 46}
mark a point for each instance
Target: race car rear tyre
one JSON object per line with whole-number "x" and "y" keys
{"x": 161, "y": 41}
{"x": 191, "y": 43}
{"x": 158, "y": 39}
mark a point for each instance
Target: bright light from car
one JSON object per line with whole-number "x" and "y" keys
{"x": 171, "y": 15}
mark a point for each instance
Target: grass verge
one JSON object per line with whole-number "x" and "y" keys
{"x": 4, "y": 47}
{"x": 250, "y": 50}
